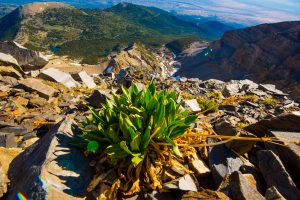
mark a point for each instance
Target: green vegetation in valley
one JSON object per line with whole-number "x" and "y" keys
{"x": 180, "y": 44}
{"x": 90, "y": 35}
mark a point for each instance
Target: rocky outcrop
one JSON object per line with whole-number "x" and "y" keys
{"x": 55, "y": 75}
{"x": 84, "y": 78}
{"x": 264, "y": 53}
{"x": 51, "y": 169}
{"x": 35, "y": 85}
{"x": 134, "y": 56}
{"x": 27, "y": 59}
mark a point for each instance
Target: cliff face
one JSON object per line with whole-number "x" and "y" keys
{"x": 265, "y": 53}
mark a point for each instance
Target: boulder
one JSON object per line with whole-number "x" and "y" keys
{"x": 222, "y": 161}
{"x": 10, "y": 71}
{"x": 285, "y": 122}
{"x": 275, "y": 174}
{"x": 98, "y": 97}
{"x": 241, "y": 147}
{"x": 192, "y": 105}
{"x": 55, "y": 75}
{"x": 27, "y": 59}
{"x": 241, "y": 189}
{"x": 53, "y": 169}
{"x": 84, "y": 78}
{"x": 35, "y": 85}
{"x": 289, "y": 153}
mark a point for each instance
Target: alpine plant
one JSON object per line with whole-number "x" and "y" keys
{"x": 127, "y": 125}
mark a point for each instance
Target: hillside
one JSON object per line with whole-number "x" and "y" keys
{"x": 264, "y": 53}
{"x": 65, "y": 29}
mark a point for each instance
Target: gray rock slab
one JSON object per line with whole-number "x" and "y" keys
{"x": 222, "y": 161}
{"x": 55, "y": 75}
{"x": 275, "y": 174}
{"x": 241, "y": 189}
{"x": 32, "y": 84}
{"x": 63, "y": 169}
{"x": 83, "y": 77}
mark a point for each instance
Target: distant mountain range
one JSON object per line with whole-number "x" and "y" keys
{"x": 268, "y": 53}
{"x": 66, "y": 30}
{"x": 245, "y": 12}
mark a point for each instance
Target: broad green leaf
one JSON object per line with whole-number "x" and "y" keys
{"x": 151, "y": 87}
{"x": 136, "y": 160}
{"x": 135, "y": 143}
{"x": 124, "y": 146}
{"x": 126, "y": 92}
{"x": 175, "y": 147}
{"x": 146, "y": 136}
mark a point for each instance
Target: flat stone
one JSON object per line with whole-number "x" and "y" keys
{"x": 241, "y": 147}
{"x": 85, "y": 79}
{"x": 231, "y": 90}
{"x": 13, "y": 129}
{"x": 247, "y": 85}
{"x": 55, "y": 75}
{"x": 10, "y": 71}
{"x": 186, "y": 183}
{"x": 285, "y": 122}
{"x": 98, "y": 97}
{"x": 269, "y": 88}
{"x": 275, "y": 174}
{"x": 35, "y": 85}
{"x": 6, "y": 59}
{"x": 288, "y": 154}
{"x": 222, "y": 161}
{"x": 198, "y": 166}
{"x": 10, "y": 80}
{"x": 7, "y": 140}
{"x": 192, "y": 105}
{"x": 241, "y": 189}
{"x": 64, "y": 169}
{"x": 37, "y": 102}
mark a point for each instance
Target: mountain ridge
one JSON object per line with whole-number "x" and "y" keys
{"x": 66, "y": 29}
{"x": 263, "y": 53}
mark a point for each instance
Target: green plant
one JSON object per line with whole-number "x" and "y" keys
{"x": 135, "y": 119}
{"x": 270, "y": 101}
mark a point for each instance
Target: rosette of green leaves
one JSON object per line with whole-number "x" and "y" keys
{"x": 127, "y": 125}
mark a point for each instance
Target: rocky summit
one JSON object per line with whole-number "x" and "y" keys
{"x": 247, "y": 148}
{"x": 133, "y": 102}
